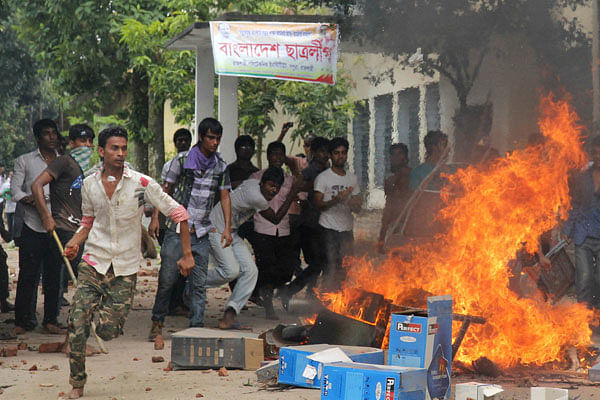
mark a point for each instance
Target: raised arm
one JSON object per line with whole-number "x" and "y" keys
{"x": 284, "y": 129}
{"x": 276, "y": 217}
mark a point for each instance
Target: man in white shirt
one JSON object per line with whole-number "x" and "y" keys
{"x": 337, "y": 196}
{"x": 111, "y": 224}
{"x": 235, "y": 261}
{"x": 34, "y": 242}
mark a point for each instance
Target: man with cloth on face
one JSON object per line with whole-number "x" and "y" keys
{"x": 65, "y": 177}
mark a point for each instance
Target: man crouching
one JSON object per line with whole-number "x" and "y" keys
{"x": 111, "y": 209}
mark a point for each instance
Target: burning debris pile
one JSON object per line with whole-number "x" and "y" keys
{"x": 489, "y": 212}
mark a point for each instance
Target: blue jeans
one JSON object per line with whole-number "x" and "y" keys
{"x": 170, "y": 253}
{"x": 337, "y": 246}
{"x": 233, "y": 262}
{"x": 587, "y": 266}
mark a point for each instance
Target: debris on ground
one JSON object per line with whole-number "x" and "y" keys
{"x": 10, "y": 351}
{"x": 158, "y": 359}
{"x": 159, "y": 343}
{"x": 53, "y": 347}
{"x": 223, "y": 371}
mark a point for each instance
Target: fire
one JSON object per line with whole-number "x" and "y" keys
{"x": 489, "y": 211}
{"x": 310, "y": 320}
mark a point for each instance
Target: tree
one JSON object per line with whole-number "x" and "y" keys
{"x": 80, "y": 49}
{"x": 453, "y": 37}
{"x": 21, "y": 90}
{"x": 170, "y": 74}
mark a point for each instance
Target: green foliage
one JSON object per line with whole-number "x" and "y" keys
{"x": 21, "y": 89}
{"x": 107, "y": 57}
{"x": 323, "y": 110}
{"x": 454, "y": 35}
{"x": 99, "y": 122}
{"x": 256, "y": 102}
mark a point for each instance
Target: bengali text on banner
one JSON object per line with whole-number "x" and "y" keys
{"x": 290, "y": 51}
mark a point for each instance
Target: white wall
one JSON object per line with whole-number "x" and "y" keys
{"x": 509, "y": 82}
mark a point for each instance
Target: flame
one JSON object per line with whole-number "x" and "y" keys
{"x": 489, "y": 212}
{"x": 310, "y": 320}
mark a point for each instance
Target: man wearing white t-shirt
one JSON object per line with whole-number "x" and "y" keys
{"x": 337, "y": 196}
{"x": 235, "y": 261}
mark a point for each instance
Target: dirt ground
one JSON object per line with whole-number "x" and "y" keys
{"x": 128, "y": 372}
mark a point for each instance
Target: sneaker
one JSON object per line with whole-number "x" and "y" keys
{"x": 52, "y": 329}
{"x": 155, "y": 330}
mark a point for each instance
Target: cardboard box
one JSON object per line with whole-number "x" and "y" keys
{"x": 298, "y": 370}
{"x": 424, "y": 340}
{"x": 357, "y": 381}
{"x": 548, "y": 393}
{"x": 594, "y": 373}
{"x": 476, "y": 391}
{"x": 201, "y": 348}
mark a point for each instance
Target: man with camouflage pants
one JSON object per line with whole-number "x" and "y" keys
{"x": 111, "y": 216}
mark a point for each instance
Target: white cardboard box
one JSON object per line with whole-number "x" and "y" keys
{"x": 548, "y": 393}
{"x": 476, "y": 391}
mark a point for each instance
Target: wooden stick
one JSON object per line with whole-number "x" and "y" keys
{"x": 408, "y": 207}
{"x": 72, "y": 275}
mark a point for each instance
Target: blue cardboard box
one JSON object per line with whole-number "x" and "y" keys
{"x": 425, "y": 341}
{"x": 594, "y": 373}
{"x": 357, "y": 381}
{"x": 293, "y": 362}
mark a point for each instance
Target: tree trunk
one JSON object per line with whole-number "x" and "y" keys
{"x": 139, "y": 118}
{"x": 259, "y": 150}
{"x": 141, "y": 156}
{"x": 155, "y": 123}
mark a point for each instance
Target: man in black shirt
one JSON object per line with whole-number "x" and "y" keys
{"x": 309, "y": 228}
{"x": 242, "y": 167}
{"x": 65, "y": 177}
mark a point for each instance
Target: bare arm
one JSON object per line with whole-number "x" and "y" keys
{"x": 72, "y": 246}
{"x": 168, "y": 187}
{"x": 355, "y": 203}
{"x": 284, "y": 129}
{"x": 186, "y": 262}
{"x": 276, "y": 217}
{"x": 323, "y": 205}
{"x": 226, "y": 207}
{"x": 37, "y": 188}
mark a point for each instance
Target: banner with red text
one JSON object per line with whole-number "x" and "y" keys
{"x": 291, "y": 51}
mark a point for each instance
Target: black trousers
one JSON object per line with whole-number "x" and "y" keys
{"x": 311, "y": 243}
{"x": 3, "y": 274}
{"x": 276, "y": 258}
{"x": 37, "y": 254}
